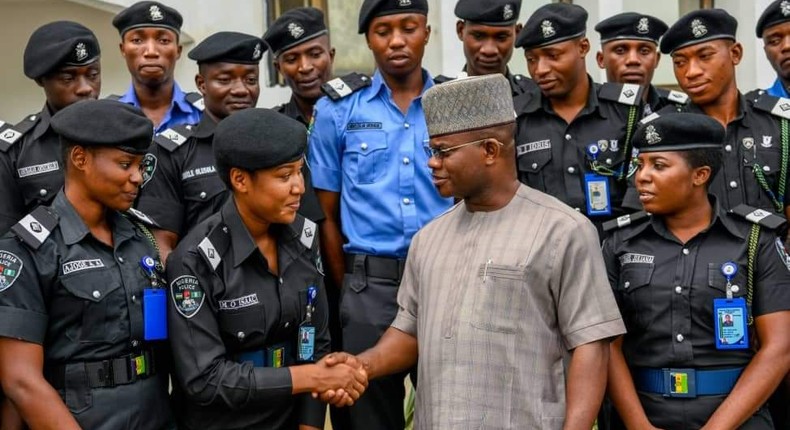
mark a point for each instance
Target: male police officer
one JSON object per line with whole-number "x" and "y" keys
{"x": 774, "y": 28}
{"x": 150, "y": 45}
{"x": 369, "y": 155}
{"x": 63, "y": 58}
{"x": 572, "y": 139}
{"x": 488, "y": 30}
{"x": 629, "y": 54}
{"x": 180, "y": 183}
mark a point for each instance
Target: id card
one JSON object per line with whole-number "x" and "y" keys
{"x": 306, "y": 343}
{"x": 730, "y": 321}
{"x": 596, "y": 191}
{"x": 154, "y": 314}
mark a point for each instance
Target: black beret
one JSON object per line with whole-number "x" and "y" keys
{"x": 776, "y": 13}
{"x": 229, "y": 47}
{"x": 293, "y": 28}
{"x": 489, "y": 12}
{"x": 375, "y": 8}
{"x": 631, "y": 26}
{"x": 105, "y": 122}
{"x": 697, "y": 27}
{"x": 58, "y": 44}
{"x": 678, "y": 132}
{"x": 148, "y": 14}
{"x": 256, "y": 138}
{"x": 553, "y": 23}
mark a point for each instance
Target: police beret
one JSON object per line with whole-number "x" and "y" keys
{"x": 57, "y": 44}
{"x": 489, "y": 12}
{"x": 678, "y": 132}
{"x": 256, "y": 138}
{"x": 631, "y": 26}
{"x": 148, "y": 14}
{"x": 229, "y": 47}
{"x": 697, "y": 27}
{"x": 553, "y": 23}
{"x": 776, "y": 13}
{"x": 375, "y": 8}
{"x": 293, "y": 28}
{"x": 105, "y": 122}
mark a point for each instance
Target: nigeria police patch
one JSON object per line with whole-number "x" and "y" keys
{"x": 149, "y": 167}
{"x": 187, "y": 295}
{"x": 780, "y": 248}
{"x": 10, "y": 268}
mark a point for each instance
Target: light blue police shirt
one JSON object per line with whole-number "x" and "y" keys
{"x": 181, "y": 111}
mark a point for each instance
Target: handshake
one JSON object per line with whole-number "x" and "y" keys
{"x": 340, "y": 379}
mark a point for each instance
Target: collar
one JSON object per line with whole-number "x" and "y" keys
{"x": 291, "y": 109}
{"x": 378, "y": 85}
{"x": 742, "y": 109}
{"x": 205, "y": 127}
{"x": 720, "y": 218}
{"x": 73, "y": 227}
{"x": 178, "y": 99}
{"x": 241, "y": 241}
{"x": 653, "y": 97}
{"x": 590, "y": 106}
{"x": 44, "y": 118}
{"x": 778, "y": 89}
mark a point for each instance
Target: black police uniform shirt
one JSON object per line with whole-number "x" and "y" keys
{"x": 31, "y": 169}
{"x": 82, "y": 300}
{"x": 241, "y": 306}
{"x": 665, "y": 290}
{"x": 519, "y": 84}
{"x": 552, "y": 154}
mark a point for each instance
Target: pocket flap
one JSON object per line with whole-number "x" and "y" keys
{"x": 93, "y": 285}
{"x": 366, "y": 142}
{"x": 635, "y": 276}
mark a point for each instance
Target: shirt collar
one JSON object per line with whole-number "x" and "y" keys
{"x": 291, "y": 109}
{"x": 720, "y": 218}
{"x": 205, "y": 127}
{"x": 742, "y": 109}
{"x": 529, "y": 103}
{"x": 73, "y": 227}
{"x": 241, "y": 240}
{"x": 778, "y": 89}
{"x": 378, "y": 84}
{"x": 43, "y": 124}
{"x": 178, "y": 99}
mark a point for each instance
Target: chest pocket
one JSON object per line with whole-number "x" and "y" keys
{"x": 533, "y": 161}
{"x": 636, "y": 297}
{"x": 243, "y": 329}
{"x": 367, "y": 153}
{"x": 101, "y": 300}
{"x": 498, "y": 298}
{"x": 203, "y": 188}
{"x": 718, "y": 283}
{"x": 40, "y": 188}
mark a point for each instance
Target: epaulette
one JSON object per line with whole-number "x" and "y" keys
{"x": 307, "y": 231}
{"x": 627, "y": 94}
{"x": 140, "y": 216}
{"x": 114, "y": 97}
{"x": 11, "y": 134}
{"x": 761, "y": 217}
{"x": 442, "y": 79}
{"x": 525, "y": 84}
{"x": 777, "y": 106}
{"x": 36, "y": 226}
{"x": 196, "y": 100}
{"x": 174, "y": 136}
{"x": 338, "y": 88}
{"x": 676, "y": 97}
{"x": 625, "y": 220}
{"x": 215, "y": 245}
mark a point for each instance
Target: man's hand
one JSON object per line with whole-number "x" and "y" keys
{"x": 340, "y": 397}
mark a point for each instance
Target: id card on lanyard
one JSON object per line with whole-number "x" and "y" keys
{"x": 306, "y": 342}
{"x": 730, "y": 315}
{"x": 154, "y": 303}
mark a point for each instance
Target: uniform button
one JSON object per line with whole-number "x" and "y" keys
{"x": 406, "y": 125}
{"x": 225, "y": 229}
{"x": 578, "y": 209}
{"x": 571, "y": 170}
{"x": 728, "y": 148}
{"x": 32, "y": 117}
{"x": 609, "y": 161}
{"x": 406, "y": 201}
{"x": 364, "y": 146}
{"x": 766, "y": 168}
{"x": 626, "y": 284}
{"x": 287, "y": 324}
{"x": 120, "y": 260}
{"x": 241, "y": 335}
{"x": 135, "y": 343}
{"x": 134, "y": 299}
{"x": 567, "y": 137}
{"x": 733, "y": 184}
{"x": 735, "y": 288}
{"x": 281, "y": 280}
{"x": 202, "y": 195}
{"x": 96, "y": 294}
{"x": 406, "y": 160}
{"x": 685, "y": 251}
{"x": 534, "y": 166}
{"x": 679, "y": 289}
{"x": 679, "y": 337}
{"x": 42, "y": 192}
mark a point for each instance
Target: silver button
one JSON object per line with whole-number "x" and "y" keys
{"x": 571, "y": 170}
{"x": 728, "y": 148}
{"x": 578, "y": 209}
{"x": 406, "y": 160}
{"x": 518, "y": 77}
{"x": 685, "y": 251}
{"x": 225, "y": 229}
{"x": 364, "y": 146}
{"x": 287, "y": 324}
{"x": 766, "y": 168}
{"x": 406, "y": 125}
{"x": 609, "y": 161}
{"x": 281, "y": 281}
{"x": 134, "y": 299}
{"x": 735, "y": 288}
{"x": 120, "y": 259}
{"x": 203, "y": 195}
{"x": 241, "y": 335}
{"x": 626, "y": 284}
{"x": 42, "y": 192}
{"x": 32, "y": 117}
{"x": 406, "y": 201}
{"x": 567, "y": 137}
{"x": 679, "y": 289}
{"x": 534, "y": 166}
{"x": 135, "y": 343}
{"x": 96, "y": 294}
{"x": 679, "y": 337}
{"x": 733, "y": 184}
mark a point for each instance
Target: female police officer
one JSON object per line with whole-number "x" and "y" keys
{"x": 81, "y": 302}
{"x": 699, "y": 290}
{"x": 248, "y": 304}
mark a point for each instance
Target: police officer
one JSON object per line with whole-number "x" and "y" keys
{"x": 488, "y": 31}
{"x": 82, "y": 295}
{"x": 773, "y": 27}
{"x": 704, "y": 54}
{"x": 62, "y": 57}
{"x": 629, "y": 54}
{"x": 572, "y": 138}
{"x": 299, "y": 44}
{"x": 369, "y": 154}
{"x": 698, "y": 287}
{"x": 150, "y": 33}
{"x": 180, "y": 183}
{"x": 248, "y": 313}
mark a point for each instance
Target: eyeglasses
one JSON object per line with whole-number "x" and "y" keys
{"x": 441, "y": 153}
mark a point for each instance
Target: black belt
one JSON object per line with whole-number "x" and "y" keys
{"x": 123, "y": 370}
{"x": 377, "y": 267}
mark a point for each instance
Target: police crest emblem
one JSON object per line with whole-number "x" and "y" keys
{"x": 698, "y": 28}
{"x": 651, "y": 135}
{"x": 187, "y": 295}
{"x": 256, "y": 53}
{"x": 643, "y": 27}
{"x": 296, "y": 30}
{"x": 149, "y": 167}
{"x": 80, "y": 52}
{"x": 507, "y": 12}
{"x": 155, "y": 13}
{"x": 547, "y": 28}
{"x": 10, "y": 268}
{"x": 748, "y": 142}
{"x": 785, "y": 8}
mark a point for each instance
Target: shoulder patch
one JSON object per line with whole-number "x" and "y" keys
{"x": 625, "y": 220}
{"x": 777, "y": 106}
{"x": 9, "y": 134}
{"x": 759, "y": 216}
{"x": 36, "y": 226}
{"x": 627, "y": 94}
{"x": 142, "y": 217}
{"x": 196, "y": 100}
{"x": 174, "y": 137}
{"x": 10, "y": 268}
{"x": 149, "y": 168}
{"x": 341, "y": 87}
{"x": 187, "y": 295}
{"x": 678, "y": 97}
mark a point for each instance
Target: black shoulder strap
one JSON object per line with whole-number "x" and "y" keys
{"x": 174, "y": 137}
{"x": 627, "y": 94}
{"x": 341, "y": 87}
{"x": 141, "y": 217}
{"x": 442, "y": 79}
{"x": 36, "y": 226}
{"x": 215, "y": 245}
{"x": 9, "y": 135}
{"x": 196, "y": 100}
{"x": 777, "y": 106}
{"x": 625, "y": 221}
{"x": 759, "y": 216}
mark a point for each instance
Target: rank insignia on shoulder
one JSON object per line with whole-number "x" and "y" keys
{"x": 777, "y": 106}
{"x": 678, "y": 97}
{"x": 627, "y": 94}
{"x": 760, "y": 217}
{"x": 11, "y": 269}
{"x": 36, "y": 227}
{"x": 9, "y": 134}
{"x": 341, "y": 87}
{"x": 174, "y": 137}
{"x": 142, "y": 217}
{"x": 308, "y": 233}
{"x": 625, "y": 220}
{"x": 196, "y": 100}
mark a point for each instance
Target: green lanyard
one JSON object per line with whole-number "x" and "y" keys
{"x": 779, "y": 197}
{"x": 754, "y": 238}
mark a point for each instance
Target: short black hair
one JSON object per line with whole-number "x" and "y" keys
{"x": 711, "y": 157}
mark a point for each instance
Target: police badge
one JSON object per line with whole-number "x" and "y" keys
{"x": 785, "y": 8}
{"x": 296, "y": 30}
{"x": 651, "y": 135}
{"x": 256, "y": 53}
{"x": 643, "y": 27}
{"x": 155, "y": 13}
{"x": 10, "y": 268}
{"x": 187, "y": 295}
{"x": 80, "y": 52}
{"x": 748, "y": 142}
{"x": 547, "y": 28}
{"x": 149, "y": 167}
{"x": 507, "y": 12}
{"x": 698, "y": 28}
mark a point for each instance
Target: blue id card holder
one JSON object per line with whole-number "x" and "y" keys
{"x": 730, "y": 315}
{"x": 596, "y": 191}
{"x": 306, "y": 342}
{"x": 154, "y": 303}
